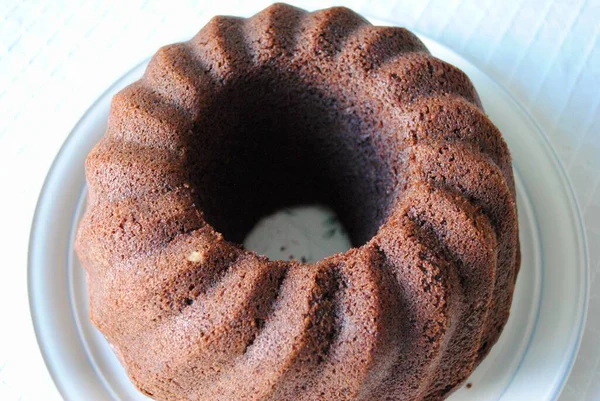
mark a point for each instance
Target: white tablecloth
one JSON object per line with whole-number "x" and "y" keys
{"x": 57, "y": 57}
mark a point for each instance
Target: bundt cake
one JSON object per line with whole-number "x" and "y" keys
{"x": 289, "y": 107}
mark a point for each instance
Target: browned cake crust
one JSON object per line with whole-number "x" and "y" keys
{"x": 293, "y": 107}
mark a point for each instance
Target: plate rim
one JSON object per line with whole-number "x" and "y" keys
{"x": 43, "y": 194}
{"x": 574, "y": 212}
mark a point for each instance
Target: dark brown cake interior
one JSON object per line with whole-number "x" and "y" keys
{"x": 263, "y": 144}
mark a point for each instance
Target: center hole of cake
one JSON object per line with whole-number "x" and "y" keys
{"x": 303, "y": 233}
{"x": 270, "y": 143}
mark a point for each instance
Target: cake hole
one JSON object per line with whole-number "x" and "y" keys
{"x": 303, "y": 233}
{"x": 269, "y": 141}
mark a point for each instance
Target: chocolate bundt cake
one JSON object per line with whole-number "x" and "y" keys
{"x": 284, "y": 108}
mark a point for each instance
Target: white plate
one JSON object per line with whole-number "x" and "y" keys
{"x": 530, "y": 362}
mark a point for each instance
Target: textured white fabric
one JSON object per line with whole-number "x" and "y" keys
{"x": 57, "y": 57}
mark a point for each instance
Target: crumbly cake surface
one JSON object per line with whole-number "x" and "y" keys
{"x": 290, "y": 107}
